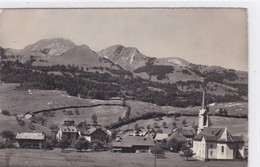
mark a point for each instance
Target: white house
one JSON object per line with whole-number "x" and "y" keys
{"x": 67, "y": 132}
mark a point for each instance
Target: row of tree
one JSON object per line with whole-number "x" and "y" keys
{"x": 102, "y": 85}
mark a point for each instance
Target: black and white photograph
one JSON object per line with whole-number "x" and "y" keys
{"x": 126, "y": 87}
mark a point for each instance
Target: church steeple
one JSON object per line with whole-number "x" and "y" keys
{"x": 203, "y": 100}
{"x": 203, "y": 115}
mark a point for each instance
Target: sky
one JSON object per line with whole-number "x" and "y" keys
{"x": 201, "y": 36}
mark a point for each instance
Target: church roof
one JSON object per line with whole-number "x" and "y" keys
{"x": 218, "y": 135}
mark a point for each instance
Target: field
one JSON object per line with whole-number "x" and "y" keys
{"x": 235, "y": 126}
{"x": 54, "y": 158}
{"x": 20, "y": 101}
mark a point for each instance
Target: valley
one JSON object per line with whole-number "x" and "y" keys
{"x": 19, "y": 102}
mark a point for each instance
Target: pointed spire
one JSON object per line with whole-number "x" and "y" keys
{"x": 203, "y": 100}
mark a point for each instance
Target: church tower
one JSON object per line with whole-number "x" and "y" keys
{"x": 204, "y": 121}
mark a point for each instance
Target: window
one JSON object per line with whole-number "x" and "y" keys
{"x": 222, "y": 149}
{"x": 211, "y": 146}
{"x": 210, "y": 153}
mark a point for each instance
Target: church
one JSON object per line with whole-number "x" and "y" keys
{"x": 215, "y": 143}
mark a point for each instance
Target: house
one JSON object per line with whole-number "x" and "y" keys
{"x": 30, "y": 139}
{"x": 188, "y": 134}
{"x": 159, "y": 137}
{"x": 176, "y": 141}
{"x": 132, "y": 144}
{"x": 94, "y": 133}
{"x": 178, "y": 137}
{"x": 28, "y": 115}
{"x": 67, "y": 132}
{"x": 213, "y": 142}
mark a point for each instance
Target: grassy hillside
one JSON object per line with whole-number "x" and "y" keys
{"x": 19, "y": 101}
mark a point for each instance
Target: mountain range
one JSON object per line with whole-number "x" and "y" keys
{"x": 219, "y": 81}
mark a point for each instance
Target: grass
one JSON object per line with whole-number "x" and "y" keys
{"x": 54, "y": 158}
{"x": 21, "y": 101}
{"x": 235, "y": 126}
{"x": 105, "y": 115}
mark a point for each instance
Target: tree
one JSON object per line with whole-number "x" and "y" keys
{"x": 119, "y": 118}
{"x": 184, "y": 122}
{"x": 94, "y": 119}
{"x": 174, "y": 125}
{"x": 81, "y": 143}
{"x": 64, "y": 143}
{"x": 155, "y": 125}
{"x": 187, "y": 152}
{"x": 6, "y": 112}
{"x": 8, "y": 135}
{"x": 123, "y": 102}
{"x": 49, "y": 143}
{"x": 127, "y": 114}
{"x": 164, "y": 124}
{"x": 96, "y": 144}
{"x": 137, "y": 127}
{"x": 148, "y": 127}
{"x": 175, "y": 145}
{"x": 157, "y": 151}
{"x": 195, "y": 127}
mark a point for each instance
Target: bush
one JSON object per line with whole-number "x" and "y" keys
{"x": 81, "y": 143}
{"x": 2, "y": 145}
{"x": 63, "y": 143}
{"x": 5, "y": 112}
{"x": 96, "y": 144}
{"x": 8, "y": 135}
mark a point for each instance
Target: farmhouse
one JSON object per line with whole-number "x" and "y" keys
{"x": 28, "y": 115}
{"x": 188, "y": 134}
{"x": 132, "y": 144}
{"x": 176, "y": 141}
{"x": 178, "y": 137}
{"x": 94, "y": 133}
{"x": 67, "y": 132}
{"x": 160, "y": 137}
{"x": 30, "y": 139}
{"x": 215, "y": 143}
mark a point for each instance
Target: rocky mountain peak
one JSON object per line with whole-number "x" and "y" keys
{"x": 50, "y": 47}
{"x": 128, "y": 57}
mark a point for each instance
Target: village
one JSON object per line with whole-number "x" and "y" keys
{"x": 201, "y": 143}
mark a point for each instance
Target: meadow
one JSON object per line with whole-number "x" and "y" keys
{"x": 54, "y": 158}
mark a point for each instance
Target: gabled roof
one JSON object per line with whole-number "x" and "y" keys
{"x": 68, "y": 129}
{"x": 161, "y": 136}
{"x": 238, "y": 138}
{"x": 188, "y": 133}
{"x": 210, "y": 134}
{"x": 29, "y": 112}
{"x": 217, "y": 135}
{"x": 129, "y": 141}
{"x": 30, "y": 136}
{"x": 178, "y": 136}
{"x": 91, "y": 130}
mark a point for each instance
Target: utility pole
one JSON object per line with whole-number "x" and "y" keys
{"x": 155, "y": 159}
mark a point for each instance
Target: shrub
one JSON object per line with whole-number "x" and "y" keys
{"x": 81, "y": 144}
{"x": 5, "y": 112}
{"x": 2, "y": 145}
{"x": 96, "y": 144}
